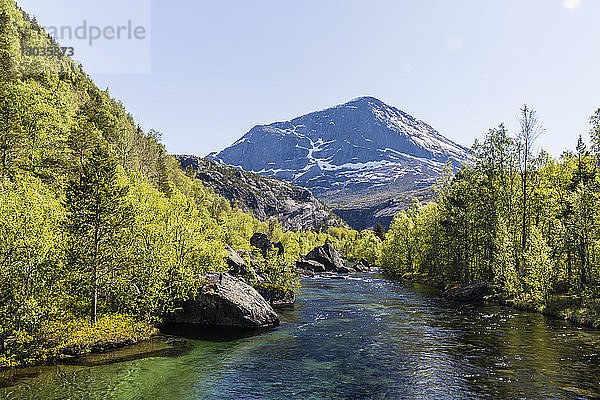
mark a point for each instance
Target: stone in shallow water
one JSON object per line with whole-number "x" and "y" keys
{"x": 310, "y": 265}
{"x": 328, "y": 256}
{"x": 469, "y": 292}
{"x": 225, "y": 301}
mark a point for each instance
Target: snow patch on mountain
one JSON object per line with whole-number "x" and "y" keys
{"x": 355, "y": 146}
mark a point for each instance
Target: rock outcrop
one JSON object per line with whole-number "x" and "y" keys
{"x": 225, "y": 301}
{"x": 324, "y": 259}
{"x": 265, "y": 198}
{"x": 328, "y": 256}
{"x": 467, "y": 293}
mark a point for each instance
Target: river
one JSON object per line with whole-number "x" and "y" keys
{"x": 364, "y": 337}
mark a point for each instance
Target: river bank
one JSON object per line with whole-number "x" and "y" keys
{"x": 222, "y": 301}
{"x": 74, "y": 338}
{"x": 364, "y": 336}
{"x": 575, "y": 309}
{"x": 79, "y": 338}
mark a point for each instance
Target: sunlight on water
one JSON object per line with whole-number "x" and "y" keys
{"x": 362, "y": 337}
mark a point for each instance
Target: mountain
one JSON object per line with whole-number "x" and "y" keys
{"x": 364, "y": 158}
{"x": 265, "y": 198}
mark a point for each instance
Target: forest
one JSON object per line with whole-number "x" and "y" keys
{"x": 515, "y": 218}
{"x": 101, "y": 232}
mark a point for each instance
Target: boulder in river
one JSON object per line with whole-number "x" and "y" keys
{"x": 467, "y": 293}
{"x": 328, "y": 256}
{"x": 344, "y": 269}
{"x": 225, "y": 301}
{"x": 310, "y": 265}
{"x": 363, "y": 266}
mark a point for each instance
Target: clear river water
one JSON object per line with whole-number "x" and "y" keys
{"x": 363, "y": 337}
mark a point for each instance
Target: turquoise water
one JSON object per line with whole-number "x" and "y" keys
{"x": 365, "y": 337}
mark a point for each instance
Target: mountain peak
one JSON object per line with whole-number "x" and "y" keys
{"x": 365, "y": 100}
{"x": 354, "y": 146}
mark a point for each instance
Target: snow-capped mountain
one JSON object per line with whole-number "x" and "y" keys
{"x": 353, "y": 149}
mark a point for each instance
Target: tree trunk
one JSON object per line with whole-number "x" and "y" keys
{"x": 94, "y": 313}
{"x": 582, "y": 257}
{"x": 569, "y": 269}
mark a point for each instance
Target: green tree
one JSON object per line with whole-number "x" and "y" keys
{"x": 379, "y": 231}
{"x": 97, "y": 218}
{"x": 7, "y": 50}
{"x": 529, "y": 133}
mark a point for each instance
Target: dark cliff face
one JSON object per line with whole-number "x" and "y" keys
{"x": 363, "y": 148}
{"x": 295, "y": 207}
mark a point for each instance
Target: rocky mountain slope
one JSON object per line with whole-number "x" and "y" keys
{"x": 293, "y": 206}
{"x": 364, "y": 158}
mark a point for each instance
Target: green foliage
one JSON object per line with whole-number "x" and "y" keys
{"x": 278, "y": 271}
{"x": 533, "y": 234}
{"x": 95, "y": 218}
{"x": 538, "y": 268}
{"x": 73, "y": 337}
{"x": 30, "y": 254}
{"x": 356, "y": 245}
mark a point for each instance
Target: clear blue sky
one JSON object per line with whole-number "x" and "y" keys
{"x": 220, "y": 67}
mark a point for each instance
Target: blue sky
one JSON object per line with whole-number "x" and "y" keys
{"x": 220, "y": 67}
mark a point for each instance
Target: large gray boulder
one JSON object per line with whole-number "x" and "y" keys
{"x": 329, "y": 257}
{"x": 237, "y": 265}
{"x": 467, "y": 293}
{"x": 310, "y": 265}
{"x": 225, "y": 301}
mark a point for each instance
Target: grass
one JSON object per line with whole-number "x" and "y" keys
{"x": 579, "y": 310}
{"x": 73, "y": 338}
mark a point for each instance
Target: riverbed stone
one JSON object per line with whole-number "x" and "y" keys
{"x": 467, "y": 293}
{"x": 363, "y": 266}
{"x": 345, "y": 270}
{"x": 310, "y": 265}
{"x": 225, "y": 301}
{"x": 328, "y": 256}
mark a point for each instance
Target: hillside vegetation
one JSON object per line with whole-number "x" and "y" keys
{"x": 101, "y": 232}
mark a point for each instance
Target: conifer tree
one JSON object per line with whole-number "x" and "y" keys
{"x": 97, "y": 217}
{"x": 379, "y": 231}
